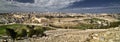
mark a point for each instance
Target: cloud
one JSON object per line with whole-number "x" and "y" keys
{"x": 109, "y": 9}
{"x": 48, "y": 4}
{"x": 51, "y": 5}
{"x": 38, "y": 5}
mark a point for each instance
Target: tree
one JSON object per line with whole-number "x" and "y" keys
{"x": 31, "y": 33}
{"x": 42, "y": 31}
{"x": 30, "y": 27}
{"x": 44, "y": 28}
{"x": 37, "y": 32}
{"x": 31, "y": 30}
{"x": 23, "y": 33}
{"x": 11, "y": 33}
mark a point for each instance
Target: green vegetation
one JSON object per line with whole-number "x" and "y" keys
{"x": 37, "y": 31}
{"x": 114, "y": 24}
{"x": 14, "y": 26}
{"x": 23, "y": 33}
{"x": 19, "y": 31}
{"x": 92, "y": 26}
{"x": 84, "y": 26}
{"x": 96, "y": 19}
{"x": 17, "y": 27}
{"x": 11, "y": 33}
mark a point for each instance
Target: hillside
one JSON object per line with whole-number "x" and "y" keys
{"x": 60, "y": 27}
{"x": 75, "y": 35}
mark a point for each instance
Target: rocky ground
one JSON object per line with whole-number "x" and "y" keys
{"x": 70, "y": 35}
{"x": 112, "y": 35}
{"x": 76, "y": 35}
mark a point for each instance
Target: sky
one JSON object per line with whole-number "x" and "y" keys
{"x": 75, "y": 6}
